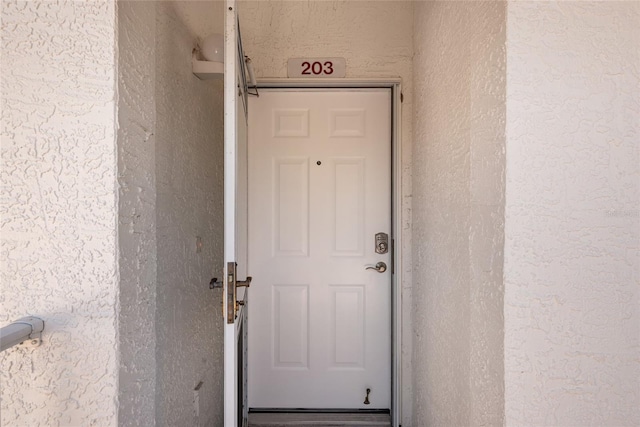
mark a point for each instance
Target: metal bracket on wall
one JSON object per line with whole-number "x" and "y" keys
{"x": 215, "y": 284}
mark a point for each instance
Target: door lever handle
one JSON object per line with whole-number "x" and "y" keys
{"x": 242, "y": 283}
{"x": 380, "y": 267}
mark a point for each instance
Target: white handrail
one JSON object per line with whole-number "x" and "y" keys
{"x": 25, "y": 329}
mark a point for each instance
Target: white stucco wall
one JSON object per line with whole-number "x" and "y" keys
{"x": 375, "y": 38}
{"x": 572, "y": 253}
{"x": 59, "y": 211}
{"x": 458, "y": 211}
{"x": 79, "y": 242}
{"x": 189, "y": 179}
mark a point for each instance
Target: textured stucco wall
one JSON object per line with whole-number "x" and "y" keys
{"x": 458, "y": 206}
{"x": 486, "y": 215}
{"x": 189, "y": 171}
{"x": 170, "y": 172}
{"x": 572, "y": 263}
{"x": 375, "y": 37}
{"x": 59, "y": 211}
{"x": 137, "y": 211}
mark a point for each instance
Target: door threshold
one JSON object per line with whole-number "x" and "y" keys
{"x": 319, "y": 419}
{"x": 317, "y": 411}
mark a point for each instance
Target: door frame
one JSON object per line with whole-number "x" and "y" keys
{"x": 395, "y": 85}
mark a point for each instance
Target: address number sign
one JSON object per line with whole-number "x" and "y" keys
{"x": 317, "y": 67}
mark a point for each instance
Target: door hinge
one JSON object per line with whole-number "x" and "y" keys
{"x": 401, "y": 97}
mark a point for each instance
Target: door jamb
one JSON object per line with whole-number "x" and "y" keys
{"x": 395, "y": 84}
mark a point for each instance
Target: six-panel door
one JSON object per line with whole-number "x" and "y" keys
{"x": 319, "y": 191}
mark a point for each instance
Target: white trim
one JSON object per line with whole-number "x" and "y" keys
{"x": 396, "y": 281}
{"x": 395, "y": 84}
{"x": 390, "y": 82}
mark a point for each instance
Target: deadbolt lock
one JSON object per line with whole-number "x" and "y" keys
{"x": 382, "y": 243}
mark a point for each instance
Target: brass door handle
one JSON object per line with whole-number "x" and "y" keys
{"x": 380, "y": 267}
{"x": 241, "y": 283}
{"x": 232, "y": 284}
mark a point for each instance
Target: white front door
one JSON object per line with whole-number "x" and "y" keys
{"x": 319, "y": 192}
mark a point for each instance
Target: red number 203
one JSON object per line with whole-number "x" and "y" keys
{"x": 317, "y": 68}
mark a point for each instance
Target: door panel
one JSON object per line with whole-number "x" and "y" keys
{"x": 347, "y": 329}
{"x": 346, "y": 181}
{"x": 319, "y": 191}
{"x": 291, "y": 204}
{"x": 290, "y": 326}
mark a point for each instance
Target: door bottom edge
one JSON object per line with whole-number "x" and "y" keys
{"x": 319, "y": 410}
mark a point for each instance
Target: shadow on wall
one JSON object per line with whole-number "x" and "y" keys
{"x": 172, "y": 175}
{"x": 189, "y": 168}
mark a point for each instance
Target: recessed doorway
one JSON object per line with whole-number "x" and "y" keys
{"x": 321, "y": 229}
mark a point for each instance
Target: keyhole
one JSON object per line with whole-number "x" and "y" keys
{"x": 366, "y": 398}
{"x": 318, "y": 163}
